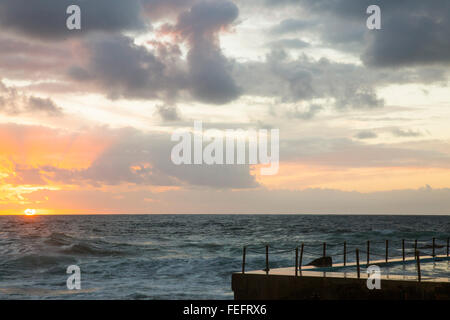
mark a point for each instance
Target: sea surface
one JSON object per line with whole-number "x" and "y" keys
{"x": 187, "y": 256}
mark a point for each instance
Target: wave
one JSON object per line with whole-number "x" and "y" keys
{"x": 186, "y": 257}
{"x": 41, "y": 292}
{"x": 59, "y": 239}
{"x": 73, "y": 246}
{"x": 89, "y": 250}
{"x": 36, "y": 261}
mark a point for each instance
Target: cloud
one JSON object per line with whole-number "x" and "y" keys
{"x": 251, "y": 201}
{"x": 347, "y": 153}
{"x": 343, "y": 22}
{"x": 205, "y": 19}
{"x": 36, "y": 104}
{"x": 346, "y": 86}
{"x": 168, "y": 112}
{"x": 144, "y": 159}
{"x": 21, "y": 58}
{"x": 122, "y": 68}
{"x": 113, "y": 64}
{"x": 359, "y": 96}
{"x": 99, "y": 161}
{"x": 47, "y": 18}
{"x": 26, "y": 176}
{"x": 305, "y": 79}
{"x": 289, "y": 43}
{"x": 209, "y": 70}
{"x": 210, "y": 75}
{"x": 292, "y": 25}
{"x": 307, "y": 114}
{"x": 394, "y": 45}
{"x": 125, "y": 69}
{"x": 111, "y": 157}
{"x": 162, "y": 9}
{"x": 366, "y": 135}
{"x": 406, "y": 133}
{"x": 13, "y": 102}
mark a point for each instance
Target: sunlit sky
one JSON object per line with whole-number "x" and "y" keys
{"x": 86, "y": 116}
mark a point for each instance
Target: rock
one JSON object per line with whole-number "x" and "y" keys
{"x": 321, "y": 262}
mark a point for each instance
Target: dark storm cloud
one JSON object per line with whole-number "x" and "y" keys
{"x": 342, "y": 33}
{"x": 411, "y": 39}
{"x": 414, "y": 32}
{"x": 118, "y": 67}
{"x": 210, "y": 75}
{"x": 47, "y": 18}
{"x": 351, "y": 9}
{"x": 122, "y": 68}
{"x": 125, "y": 69}
{"x": 209, "y": 70}
{"x": 205, "y": 19}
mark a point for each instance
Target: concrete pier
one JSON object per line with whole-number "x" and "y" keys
{"x": 330, "y": 284}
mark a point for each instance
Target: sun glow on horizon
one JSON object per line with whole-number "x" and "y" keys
{"x": 30, "y": 212}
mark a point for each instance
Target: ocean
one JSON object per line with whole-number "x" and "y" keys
{"x": 185, "y": 256}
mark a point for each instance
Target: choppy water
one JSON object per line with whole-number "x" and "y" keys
{"x": 181, "y": 256}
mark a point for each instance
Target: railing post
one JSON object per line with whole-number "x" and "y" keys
{"x": 387, "y": 250}
{"x": 403, "y": 249}
{"x": 447, "y": 246}
{"x": 345, "y": 253}
{"x": 296, "y": 261}
{"x": 419, "y": 276}
{"x": 243, "y": 259}
{"x": 368, "y": 252}
{"x": 324, "y": 249}
{"x": 301, "y": 258}
{"x": 415, "y": 248}
{"x": 267, "y": 259}
{"x": 357, "y": 263}
{"x": 434, "y": 246}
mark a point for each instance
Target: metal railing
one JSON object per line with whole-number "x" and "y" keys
{"x": 299, "y": 252}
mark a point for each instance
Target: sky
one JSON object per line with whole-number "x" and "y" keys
{"x": 86, "y": 115}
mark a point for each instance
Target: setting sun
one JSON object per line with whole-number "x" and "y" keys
{"x": 30, "y": 212}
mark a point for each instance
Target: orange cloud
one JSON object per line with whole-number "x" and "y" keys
{"x": 33, "y": 147}
{"x": 26, "y": 149}
{"x": 298, "y": 176}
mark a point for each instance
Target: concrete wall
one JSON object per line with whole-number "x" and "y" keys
{"x": 282, "y": 287}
